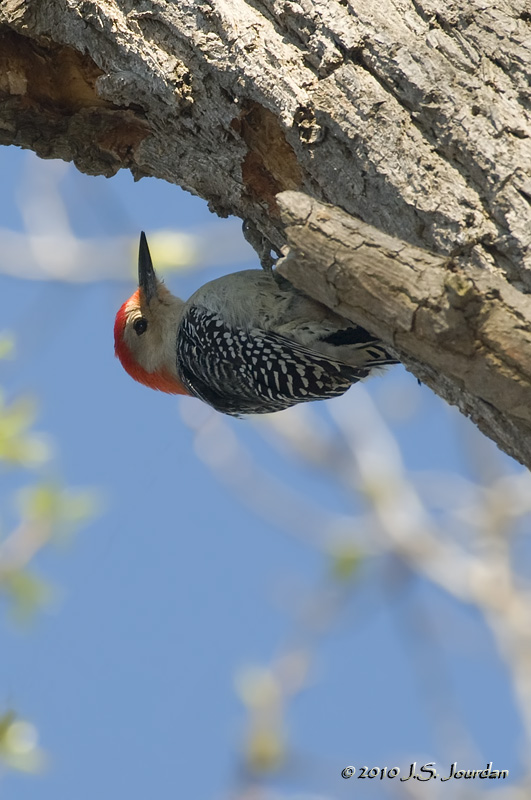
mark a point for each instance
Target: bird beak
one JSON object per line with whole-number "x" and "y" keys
{"x": 147, "y": 280}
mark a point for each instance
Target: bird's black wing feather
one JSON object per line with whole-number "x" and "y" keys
{"x": 253, "y": 372}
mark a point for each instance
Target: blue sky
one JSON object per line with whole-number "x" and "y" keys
{"x": 177, "y": 585}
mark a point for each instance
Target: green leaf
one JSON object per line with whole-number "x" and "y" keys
{"x": 26, "y": 594}
{"x": 345, "y": 563}
{"x": 7, "y": 345}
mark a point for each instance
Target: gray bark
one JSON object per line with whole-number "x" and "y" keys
{"x": 464, "y": 332}
{"x": 411, "y": 115}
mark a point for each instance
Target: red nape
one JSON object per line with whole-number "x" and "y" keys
{"x": 163, "y": 380}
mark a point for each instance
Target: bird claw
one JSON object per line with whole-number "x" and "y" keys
{"x": 260, "y": 244}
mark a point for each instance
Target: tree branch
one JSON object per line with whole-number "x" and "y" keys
{"x": 413, "y": 117}
{"x": 466, "y": 333}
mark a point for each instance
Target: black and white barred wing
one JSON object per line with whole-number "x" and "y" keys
{"x": 255, "y": 371}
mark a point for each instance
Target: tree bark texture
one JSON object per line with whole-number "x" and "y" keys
{"x": 463, "y": 332}
{"x": 411, "y": 115}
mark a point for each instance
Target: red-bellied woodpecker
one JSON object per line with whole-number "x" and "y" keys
{"x": 246, "y": 343}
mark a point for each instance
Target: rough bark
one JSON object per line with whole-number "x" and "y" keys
{"x": 410, "y": 114}
{"x": 464, "y": 332}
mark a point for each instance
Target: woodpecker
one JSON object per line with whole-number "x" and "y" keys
{"x": 246, "y": 343}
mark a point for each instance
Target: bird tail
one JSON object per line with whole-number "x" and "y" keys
{"x": 357, "y": 341}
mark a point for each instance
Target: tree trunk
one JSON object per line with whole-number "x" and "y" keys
{"x": 412, "y": 115}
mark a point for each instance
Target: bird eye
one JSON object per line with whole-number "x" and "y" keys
{"x": 140, "y": 325}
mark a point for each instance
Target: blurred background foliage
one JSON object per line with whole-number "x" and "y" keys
{"x": 396, "y": 626}
{"x": 47, "y": 513}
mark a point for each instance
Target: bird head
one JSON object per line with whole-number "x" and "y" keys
{"x": 145, "y": 330}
